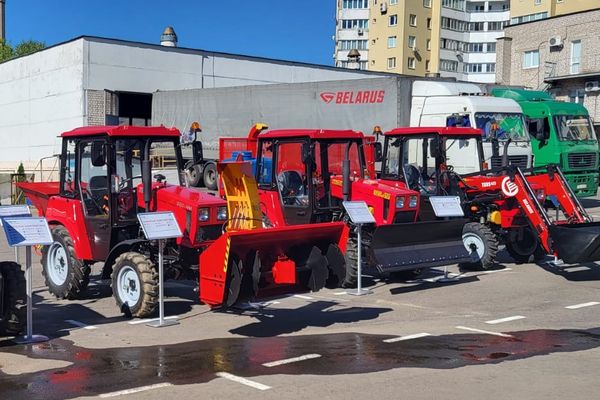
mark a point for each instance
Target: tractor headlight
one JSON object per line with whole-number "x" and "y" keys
{"x": 203, "y": 214}
{"x": 412, "y": 203}
{"x": 399, "y": 202}
{"x": 222, "y": 213}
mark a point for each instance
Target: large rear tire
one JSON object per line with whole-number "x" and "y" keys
{"x": 210, "y": 176}
{"x": 481, "y": 242}
{"x": 351, "y": 255}
{"x": 135, "y": 284}
{"x": 14, "y": 299}
{"x": 66, "y": 276}
{"x": 522, "y": 246}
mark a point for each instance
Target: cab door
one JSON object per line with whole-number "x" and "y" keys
{"x": 93, "y": 183}
{"x": 292, "y": 183}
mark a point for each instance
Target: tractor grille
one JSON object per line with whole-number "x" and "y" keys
{"x": 519, "y": 161}
{"x": 581, "y": 160}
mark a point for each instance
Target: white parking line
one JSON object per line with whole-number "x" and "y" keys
{"x": 291, "y": 360}
{"x": 576, "y": 306}
{"x": 340, "y": 293}
{"x": 243, "y": 381}
{"x": 143, "y": 321}
{"x": 407, "y": 337}
{"x": 507, "y": 319}
{"x": 299, "y": 296}
{"x": 466, "y": 328}
{"x": 80, "y": 324}
{"x": 496, "y": 271}
{"x": 136, "y": 390}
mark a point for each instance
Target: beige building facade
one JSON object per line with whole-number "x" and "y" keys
{"x": 559, "y": 54}
{"x": 533, "y": 10}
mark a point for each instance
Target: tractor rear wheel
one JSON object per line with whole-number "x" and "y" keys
{"x": 65, "y": 275}
{"x": 135, "y": 284}
{"x": 480, "y": 241}
{"x": 14, "y": 299}
{"x": 210, "y": 176}
{"x": 524, "y": 245}
{"x": 351, "y": 255}
{"x": 195, "y": 175}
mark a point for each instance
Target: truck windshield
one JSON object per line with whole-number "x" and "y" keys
{"x": 502, "y": 126}
{"x": 573, "y": 127}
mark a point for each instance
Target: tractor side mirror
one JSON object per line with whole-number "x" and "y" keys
{"x": 378, "y": 151}
{"x": 435, "y": 150}
{"x": 98, "y": 156}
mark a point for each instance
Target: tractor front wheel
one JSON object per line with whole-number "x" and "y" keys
{"x": 135, "y": 284}
{"x": 65, "y": 275}
{"x": 524, "y": 245}
{"x": 14, "y": 299}
{"x": 482, "y": 244}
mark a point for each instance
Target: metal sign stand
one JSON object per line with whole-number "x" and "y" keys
{"x": 25, "y": 232}
{"x": 160, "y": 226}
{"x": 359, "y": 214}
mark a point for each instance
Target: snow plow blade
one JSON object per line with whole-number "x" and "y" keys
{"x": 576, "y": 243}
{"x": 401, "y": 247}
{"x": 235, "y": 264}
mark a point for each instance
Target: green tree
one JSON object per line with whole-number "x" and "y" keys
{"x": 22, "y": 49}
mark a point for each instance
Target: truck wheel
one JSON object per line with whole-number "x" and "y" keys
{"x": 523, "y": 249}
{"x": 481, "y": 242}
{"x": 210, "y": 176}
{"x": 65, "y": 275}
{"x": 195, "y": 175}
{"x": 14, "y": 299}
{"x": 135, "y": 284}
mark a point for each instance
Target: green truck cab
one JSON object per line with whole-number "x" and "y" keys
{"x": 561, "y": 133}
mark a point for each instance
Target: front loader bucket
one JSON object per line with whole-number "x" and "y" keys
{"x": 307, "y": 246}
{"x": 576, "y": 243}
{"x": 419, "y": 245}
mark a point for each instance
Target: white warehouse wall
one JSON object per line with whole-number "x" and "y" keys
{"x": 41, "y": 95}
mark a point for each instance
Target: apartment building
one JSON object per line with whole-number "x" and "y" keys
{"x": 455, "y": 38}
{"x": 533, "y": 10}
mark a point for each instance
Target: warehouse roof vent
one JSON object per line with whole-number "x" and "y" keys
{"x": 168, "y": 37}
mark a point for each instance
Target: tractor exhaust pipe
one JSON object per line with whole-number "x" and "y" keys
{"x": 147, "y": 182}
{"x": 346, "y": 174}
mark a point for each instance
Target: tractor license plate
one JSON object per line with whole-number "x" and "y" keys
{"x": 582, "y": 186}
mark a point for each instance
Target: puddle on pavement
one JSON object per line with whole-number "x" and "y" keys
{"x": 96, "y": 371}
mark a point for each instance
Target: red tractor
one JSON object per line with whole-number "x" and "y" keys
{"x": 508, "y": 205}
{"x": 304, "y": 175}
{"x": 106, "y": 179}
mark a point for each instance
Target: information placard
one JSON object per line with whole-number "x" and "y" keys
{"x": 159, "y": 225}
{"x": 14, "y": 211}
{"x": 446, "y": 206}
{"x": 359, "y": 212}
{"x": 27, "y": 231}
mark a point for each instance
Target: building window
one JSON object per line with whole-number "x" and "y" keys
{"x": 393, "y": 21}
{"x": 448, "y": 65}
{"x": 393, "y": 2}
{"x": 479, "y": 8}
{"x": 428, "y": 44}
{"x": 475, "y": 48}
{"x": 537, "y": 2}
{"x": 391, "y": 62}
{"x": 412, "y": 63}
{"x": 355, "y": 24}
{"x": 347, "y": 64}
{"x": 491, "y": 48}
{"x": 454, "y": 4}
{"x": 428, "y": 23}
{"x": 455, "y": 24}
{"x": 476, "y": 26}
{"x": 427, "y": 3}
{"x": 531, "y": 59}
{"x": 575, "y": 56}
{"x": 529, "y": 17}
{"x": 427, "y": 65}
{"x": 391, "y": 42}
{"x": 480, "y": 68}
{"x": 349, "y": 4}
{"x": 577, "y": 96}
{"x": 495, "y": 26}
{"x": 412, "y": 42}
{"x": 353, "y": 44}
{"x": 412, "y": 20}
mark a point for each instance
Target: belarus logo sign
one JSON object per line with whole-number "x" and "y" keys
{"x": 355, "y": 97}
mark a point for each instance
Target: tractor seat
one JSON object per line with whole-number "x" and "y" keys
{"x": 98, "y": 186}
{"x": 290, "y": 184}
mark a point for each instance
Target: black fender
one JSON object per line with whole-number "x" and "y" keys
{"x": 124, "y": 246}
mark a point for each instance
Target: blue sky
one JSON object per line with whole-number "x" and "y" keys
{"x": 284, "y": 29}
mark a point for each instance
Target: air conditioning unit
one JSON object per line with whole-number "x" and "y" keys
{"x": 555, "y": 41}
{"x": 361, "y": 32}
{"x": 383, "y": 8}
{"x": 592, "y": 86}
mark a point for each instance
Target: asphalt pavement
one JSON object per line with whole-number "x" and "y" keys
{"x": 520, "y": 331}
